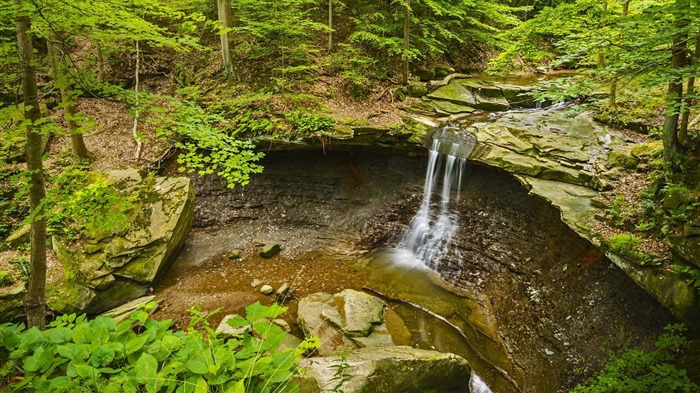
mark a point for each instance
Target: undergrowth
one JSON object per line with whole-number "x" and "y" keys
{"x": 142, "y": 354}
{"x": 640, "y": 371}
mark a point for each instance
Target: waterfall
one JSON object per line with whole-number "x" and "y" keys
{"x": 431, "y": 230}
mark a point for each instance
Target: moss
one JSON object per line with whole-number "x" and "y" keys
{"x": 6, "y": 279}
{"x": 627, "y": 245}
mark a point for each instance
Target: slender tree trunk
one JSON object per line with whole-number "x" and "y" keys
{"x": 406, "y": 34}
{"x": 135, "y": 127}
{"x": 100, "y": 63}
{"x": 330, "y": 25}
{"x": 62, "y": 80}
{"x": 34, "y": 302}
{"x": 226, "y": 19}
{"x": 613, "y": 85}
{"x": 674, "y": 96}
{"x": 690, "y": 92}
{"x": 601, "y": 56}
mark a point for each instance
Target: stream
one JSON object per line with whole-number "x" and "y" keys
{"x": 536, "y": 302}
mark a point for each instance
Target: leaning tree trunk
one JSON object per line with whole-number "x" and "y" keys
{"x": 36, "y": 287}
{"x": 61, "y": 77}
{"x": 674, "y": 96}
{"x": 406, "y": 35}
{"x": 690, "y": 92}
{"x": 226, "y": 19}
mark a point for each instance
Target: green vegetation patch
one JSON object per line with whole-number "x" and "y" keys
{"x": 142, "y": 354}
{"x": 636, "y": 370}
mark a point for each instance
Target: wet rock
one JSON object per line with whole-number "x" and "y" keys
{"x": 389, "y": 370}
{"x": 267, "y": 290}
{"x": 94, "y": 275}
{"x": 270, "y": 250}
{"x": 284, "y": 292}
{"x": 347, "y": 319}
{"x": 234, "y": 254}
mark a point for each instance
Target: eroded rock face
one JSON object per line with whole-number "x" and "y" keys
{"x": 349, "y": 319}
{"x": 389, "y": 370}
{"x": 94, "y": 275}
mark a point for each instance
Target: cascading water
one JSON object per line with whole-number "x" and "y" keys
{"x": 431, "y": 230}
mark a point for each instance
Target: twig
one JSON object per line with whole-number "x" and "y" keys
{"x": 503, "y": 373}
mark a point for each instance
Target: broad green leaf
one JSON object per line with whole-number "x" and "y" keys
{"x": 135, "y": 344}
{"x": 145, "y": 368}
{"x": 235, "y": 387}
{"x": 202, "y": 386}
{"x": 198, "y": 365}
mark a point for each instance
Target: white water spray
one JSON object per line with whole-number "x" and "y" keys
{"x": 433, "y": 227}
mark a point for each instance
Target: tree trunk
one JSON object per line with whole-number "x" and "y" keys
{"x": 226, "y": 19}
{"x": 601, "y": 57}
{"x": 688, "y": 102}
{"x": 406, "y": 33}
{"x": 34, "y": 302}
{"x": 100, "y": 63}
{"x": 135, "y": 127}
{"x": 330, "y": 25}
{"x": 613, "y": 85}
{"x": 61, "y": 79}
{"x": 674, "y": 96}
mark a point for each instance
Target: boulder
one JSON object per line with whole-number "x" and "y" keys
{"x": 269, "y": 250}
{"x": 348, "y": 319}
{"x": 93, "y": 275}
{"x": 388, "y": 370}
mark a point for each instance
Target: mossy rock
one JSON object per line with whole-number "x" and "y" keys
{"x": 96, "y": 274}
{"x": 623, "y": 159}
{"x": 389, "y": 370}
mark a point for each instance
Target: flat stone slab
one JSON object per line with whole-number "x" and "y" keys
{"x": 388, "y": 370}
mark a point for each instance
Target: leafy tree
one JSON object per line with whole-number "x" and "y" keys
{"x": 643, "y": 42}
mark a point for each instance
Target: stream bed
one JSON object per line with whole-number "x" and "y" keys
{"x": 535, "y": 301}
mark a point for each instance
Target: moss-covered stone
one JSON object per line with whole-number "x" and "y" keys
{"x": 270, "y": 250}
{"x": 97, "y": 274}
{"x": 390, "y": 370}
{"x": 623, "y": 159}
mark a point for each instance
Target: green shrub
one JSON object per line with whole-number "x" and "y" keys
{"x": 691, "y": 273}
{"x": 620, "y": 213}
{"x": 635, "y": 370}
{"x": 310, "y": 124}
{"x": 627, "y": 245}
{"x": 142, "y": 354}
{"x": 22, "y": 266}
{"x": 6, "y": 279}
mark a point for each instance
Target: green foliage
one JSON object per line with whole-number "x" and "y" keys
{"x": 691, "y": 273}
{"x": 340, "y": 376}
{"x": 620, "y": 213}
{"x": 21, "y": 264}
{"x": 80, "y": 203}
{"x": 310, "y": 124}
{"x": 627, "y": 245}
{"x": 142, "y": 354}
{"x": 635, "y": 370}
{"x": 6, "y": 279}
{"x": 205, "y": 147}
